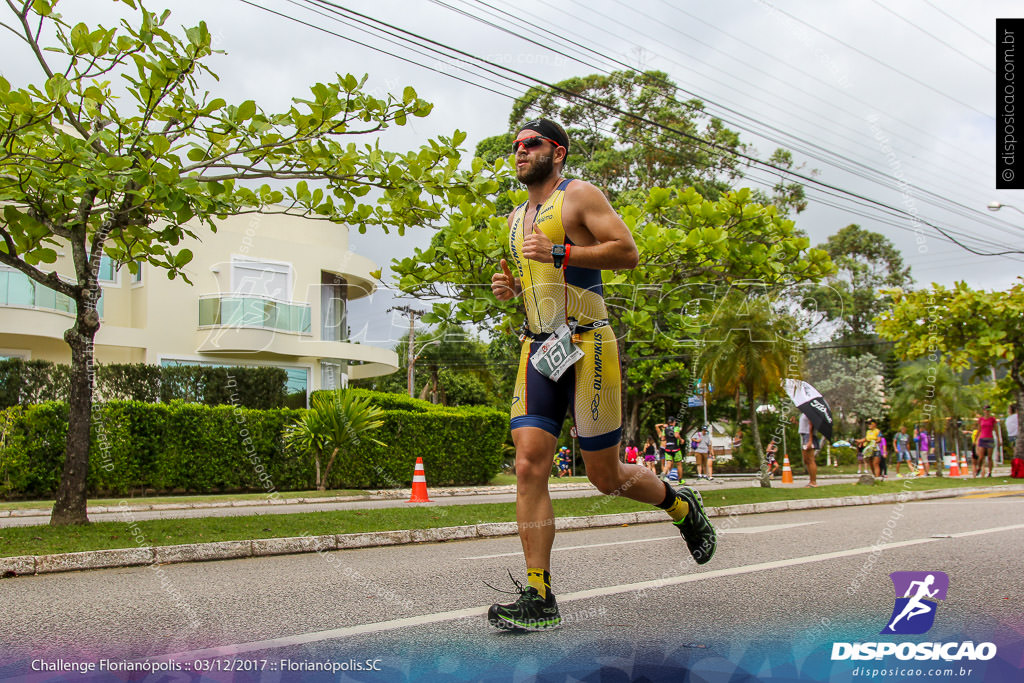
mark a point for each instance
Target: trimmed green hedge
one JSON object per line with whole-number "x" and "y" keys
{"x": 193, "y": 448}
{"x": 38, "y": 381}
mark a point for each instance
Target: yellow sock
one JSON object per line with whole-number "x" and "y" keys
{"x": 539, "y": 579}
{"x": 679, "y": 509}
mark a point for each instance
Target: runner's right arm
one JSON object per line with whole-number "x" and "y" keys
{"x": 503, "y": 284}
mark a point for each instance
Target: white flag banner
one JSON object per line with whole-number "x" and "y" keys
{"x": 812, "y": 404}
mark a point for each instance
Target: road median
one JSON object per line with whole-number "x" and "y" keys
{"x": 27, "y": 565}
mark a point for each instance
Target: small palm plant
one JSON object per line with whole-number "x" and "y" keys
{"x": 335, "y": 421}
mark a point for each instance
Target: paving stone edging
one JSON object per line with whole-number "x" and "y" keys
{"x": 382, "y": 494}
{"x": 28, "y": 565}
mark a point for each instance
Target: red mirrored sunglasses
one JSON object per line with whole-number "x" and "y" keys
{"x": 531, "y": 142}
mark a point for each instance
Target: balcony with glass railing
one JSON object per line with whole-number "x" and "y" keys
{"x": 254, "y": 312}
{"x": 18, "y": 290}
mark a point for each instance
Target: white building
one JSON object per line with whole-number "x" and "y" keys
{"x": 268, "y": 290}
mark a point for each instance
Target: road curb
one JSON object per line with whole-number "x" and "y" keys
{"x": 28, "y": 565}
{"x": 381, "y": 494}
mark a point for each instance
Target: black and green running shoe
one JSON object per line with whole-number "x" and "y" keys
{"x": 696, "y": 528}
{"x": 529, "y": 613}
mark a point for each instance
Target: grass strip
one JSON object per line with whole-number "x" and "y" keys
{"x": 499, "y": 480}
{"x": 45, "y": 540}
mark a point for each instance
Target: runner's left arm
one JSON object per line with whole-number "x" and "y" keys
{"x": 611, "y": 247}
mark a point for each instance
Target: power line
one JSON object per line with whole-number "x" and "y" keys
{"x": 909, "y": 126}
{"x": 876, "y": 60}
{"x": 934, "y": 37}
{"x": 958, "y": 22}
{"x": 622, "y": 114}
{"x": 845, "y": 163}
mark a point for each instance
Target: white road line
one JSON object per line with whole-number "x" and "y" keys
{"x": 956, "y": 501}
{"x": 476, "y": 613}
{"x": 737, "y": 530}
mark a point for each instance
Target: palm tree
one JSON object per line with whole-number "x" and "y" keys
{"x": 932, "y": 394}
{"x": 747, "y": 346}
{"x": 336, "y": 421}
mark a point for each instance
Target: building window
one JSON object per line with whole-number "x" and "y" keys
{"x": 333, "y": 313}
{"x": 333, "y": 375}
{"x": 269, "y": 279}
{"x": 297, "y": 385}
{"x": 137, "y": 275}
{"x": 107, "y": 272}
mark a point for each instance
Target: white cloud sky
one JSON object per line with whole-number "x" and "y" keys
{"x": 860, "y": 74}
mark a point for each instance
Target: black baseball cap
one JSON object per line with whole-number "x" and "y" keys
{"x": 549, "y": 129}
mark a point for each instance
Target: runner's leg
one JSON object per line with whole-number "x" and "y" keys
{"x": 534, "y": 513}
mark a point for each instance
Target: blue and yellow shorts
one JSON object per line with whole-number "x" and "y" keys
{"x": 591, "y": 389}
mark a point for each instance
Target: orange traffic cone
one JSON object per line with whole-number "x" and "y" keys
{"x": 963, "y": 465}
{"x": 787, "y": 471}
{"x": 419, "y": 484}
{"x": 954, "y": 467}
{"x": 920, "y": 466}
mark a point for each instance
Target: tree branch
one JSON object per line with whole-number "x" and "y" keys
{"x": 51, "y": 280}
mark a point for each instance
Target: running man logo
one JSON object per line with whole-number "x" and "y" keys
{"x": 917, "y": 594}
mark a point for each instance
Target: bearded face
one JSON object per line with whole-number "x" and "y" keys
{"x": 536, "y": 169}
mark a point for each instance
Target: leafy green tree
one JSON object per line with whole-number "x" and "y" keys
{"x": 335, "y": 422}
{"x": 621, "y": 154}
{"x": 934, "y": 396}
{"x": 852, "y": 385}
{"x": 866, "y": 264}
{"x": 962, "y": 328}
{"x": 749, "y": 347}
{"x": 126, "y": 175}
{"x": 451, "y": 365}
{"x": 692, "y": 251}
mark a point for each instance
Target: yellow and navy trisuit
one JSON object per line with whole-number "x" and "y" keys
{"x": 591, "y": 387}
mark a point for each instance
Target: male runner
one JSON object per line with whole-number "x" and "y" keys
{"x": 560, "y": 240}
{"x": 669, "y": 435}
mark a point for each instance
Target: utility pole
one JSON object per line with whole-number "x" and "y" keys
{"x": 412, "y": 313}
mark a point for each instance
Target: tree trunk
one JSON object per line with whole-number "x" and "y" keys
{"x": 632, "y": 419}
{"x": 319, "y": 481}
{"x": 327, "y": 471}
{"x": 765, "y": 483}
{"x": 1015, "y": 375}
{"x": 70, "y": 505}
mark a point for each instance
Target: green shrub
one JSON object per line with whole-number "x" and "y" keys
{"x": 459, "y": 446}
{"x": 846, "y": 455}
{"x": 128, "y": 382}
{"x": 192, "y": 448}
{"x": 38, "y": 381}
{"x": 389, "y": 401}
{"x": 24, "y": 382}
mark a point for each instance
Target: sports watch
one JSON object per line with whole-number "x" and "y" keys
{"x": 558, "y": 253}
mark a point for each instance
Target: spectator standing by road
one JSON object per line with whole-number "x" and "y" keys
{"x": 810, "y": 444}
{"x": 883, "y": 457}
{"x": 631, "y": 453}
{"x": 986, "y": 441}
{"x": 1011, "y": 426}
{"x": 870, "y": 444}
{"x": 926, "y": 449}
{"x": 651, "y": 455}
{"x": 901, "y": 440}
{"x": 704, "y": 453}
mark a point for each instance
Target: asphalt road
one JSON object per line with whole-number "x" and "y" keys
{"x": 781, "y": 589}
